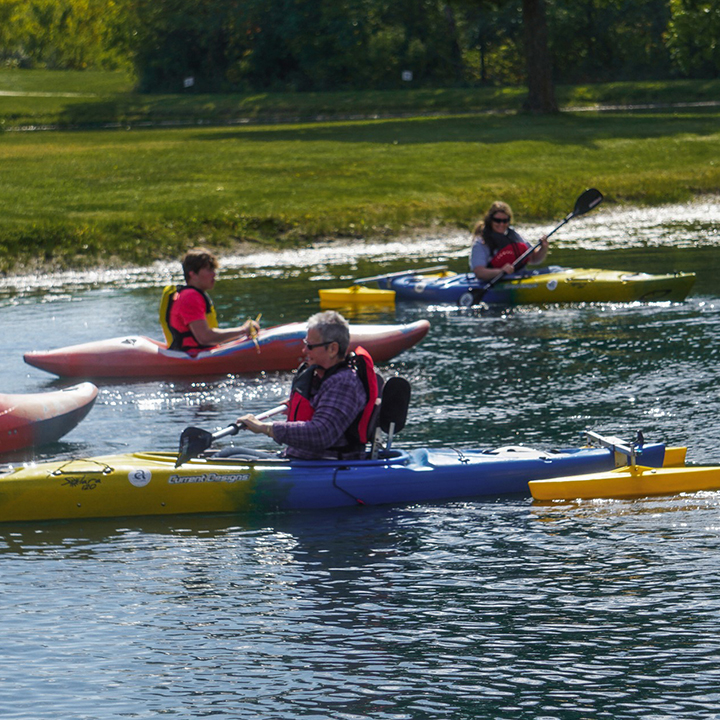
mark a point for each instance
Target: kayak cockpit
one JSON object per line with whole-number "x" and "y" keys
{"x": 214, "y": 459}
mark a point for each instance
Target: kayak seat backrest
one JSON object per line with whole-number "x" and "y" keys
{"x": 375, "y": 415}
{"x": 392, "y": 413}
{"x": 395, "y": 403}
{"x": 167, "y": 294}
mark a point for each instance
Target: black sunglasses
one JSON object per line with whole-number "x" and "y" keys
{"x": 312, "y": 346}
{"x": 500, "y": 220}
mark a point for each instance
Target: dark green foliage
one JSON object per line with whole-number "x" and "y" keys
{"x": 318, "y": 45}
{"x": 692, "y": 37}
{"x": 321, "y": 45}
{"x": 603, "y": 40}
{"x": 294, "y": 44}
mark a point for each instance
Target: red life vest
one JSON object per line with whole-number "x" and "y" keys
{"x": 509, "y": 254}
{"x": 306, "y": 385}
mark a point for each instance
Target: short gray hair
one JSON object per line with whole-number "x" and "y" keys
{"x": 333, "y": 327}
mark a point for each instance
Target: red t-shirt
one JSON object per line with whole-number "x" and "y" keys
{"x": 187, "y": 307}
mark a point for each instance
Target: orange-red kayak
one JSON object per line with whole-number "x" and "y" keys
{"x": 275, "y": 348}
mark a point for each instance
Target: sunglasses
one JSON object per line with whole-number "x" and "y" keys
{"x": 312, "y": 346}
{"x": 502, "y": 221}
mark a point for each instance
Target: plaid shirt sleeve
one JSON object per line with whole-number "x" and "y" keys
{"x": 339, "y": 401}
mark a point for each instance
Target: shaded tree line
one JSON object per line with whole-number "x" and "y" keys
{"x": 315, "y": 45}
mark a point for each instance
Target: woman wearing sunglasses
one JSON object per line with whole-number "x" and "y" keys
{"x": 497, "y": 245}
{"x": 331, "y": 399}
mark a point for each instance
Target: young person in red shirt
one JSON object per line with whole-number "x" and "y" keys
{"x": 191, "y": 317}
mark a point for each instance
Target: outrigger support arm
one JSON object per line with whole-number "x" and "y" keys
{"x": 618, "y": 446}
{"x": 402, "y": 273}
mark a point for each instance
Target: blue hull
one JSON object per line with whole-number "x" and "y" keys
{"x": 444, "y": 290}
{"x": 434, "y": 475}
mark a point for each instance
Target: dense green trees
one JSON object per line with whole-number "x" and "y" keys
{"x": 251, "y": 45}
{"x": 692, "y": 37}
{"x": 604, "y": 40}
{"x": 67, "y": 34}
{"x": 295, "y": 44}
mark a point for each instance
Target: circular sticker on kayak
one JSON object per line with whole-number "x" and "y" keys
{"x": 420, "y": 286}
{"x": 466, "y": 299}
{"x": 552, "y": 284}
{"x": 139, "y": 477}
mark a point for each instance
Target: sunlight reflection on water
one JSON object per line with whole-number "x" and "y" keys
{"x": 602, "y": 230}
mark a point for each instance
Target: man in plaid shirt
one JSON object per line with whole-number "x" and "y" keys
{"x": 336, "y": 401}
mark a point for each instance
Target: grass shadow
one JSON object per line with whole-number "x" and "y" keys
{"x": 562, "y": 129}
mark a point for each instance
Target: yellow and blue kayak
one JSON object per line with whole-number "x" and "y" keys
{"x": 148, "y": 483}
{"x": 546, "y": 285}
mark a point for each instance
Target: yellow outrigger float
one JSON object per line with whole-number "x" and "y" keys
{"x": 358, "y": 295}
{"x": 628, "y": 482}
{"x": 332, "y": 298}
{"x": 631, "y": 480}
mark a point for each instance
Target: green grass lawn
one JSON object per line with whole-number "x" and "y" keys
{"x": 87, "y": 197}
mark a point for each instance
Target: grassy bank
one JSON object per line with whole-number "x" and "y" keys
{"x": 80, "y": 198}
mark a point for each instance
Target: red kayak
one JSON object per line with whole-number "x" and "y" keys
{"x": 276, "y": 348}
{"x": 37, "y": 418}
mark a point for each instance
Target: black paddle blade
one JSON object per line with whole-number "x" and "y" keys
{"x": 587, "y": 201}
{"x": 193, "y": 441}
{"x": 395, "y": 401}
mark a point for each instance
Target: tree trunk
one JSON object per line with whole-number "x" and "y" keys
{"x": 541, "y": 91}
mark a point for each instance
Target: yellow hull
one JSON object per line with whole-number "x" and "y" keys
{"x": 148, "y": 483}
{"x": 627, "y": 482}
{"x": 132, "y": 484}
{"x": 593, "y": 285}
{"x": 355, "y": 295}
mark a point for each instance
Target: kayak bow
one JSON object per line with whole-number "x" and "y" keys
{"x": 33, "y": 419}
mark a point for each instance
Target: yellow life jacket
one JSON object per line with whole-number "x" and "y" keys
{"x": 169, "y": 295}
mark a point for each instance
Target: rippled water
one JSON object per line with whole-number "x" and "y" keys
{"x": 491, "y": 609}
{"x": 466, "y": 610}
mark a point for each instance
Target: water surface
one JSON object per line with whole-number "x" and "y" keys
{"x": 494, "y": 608}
